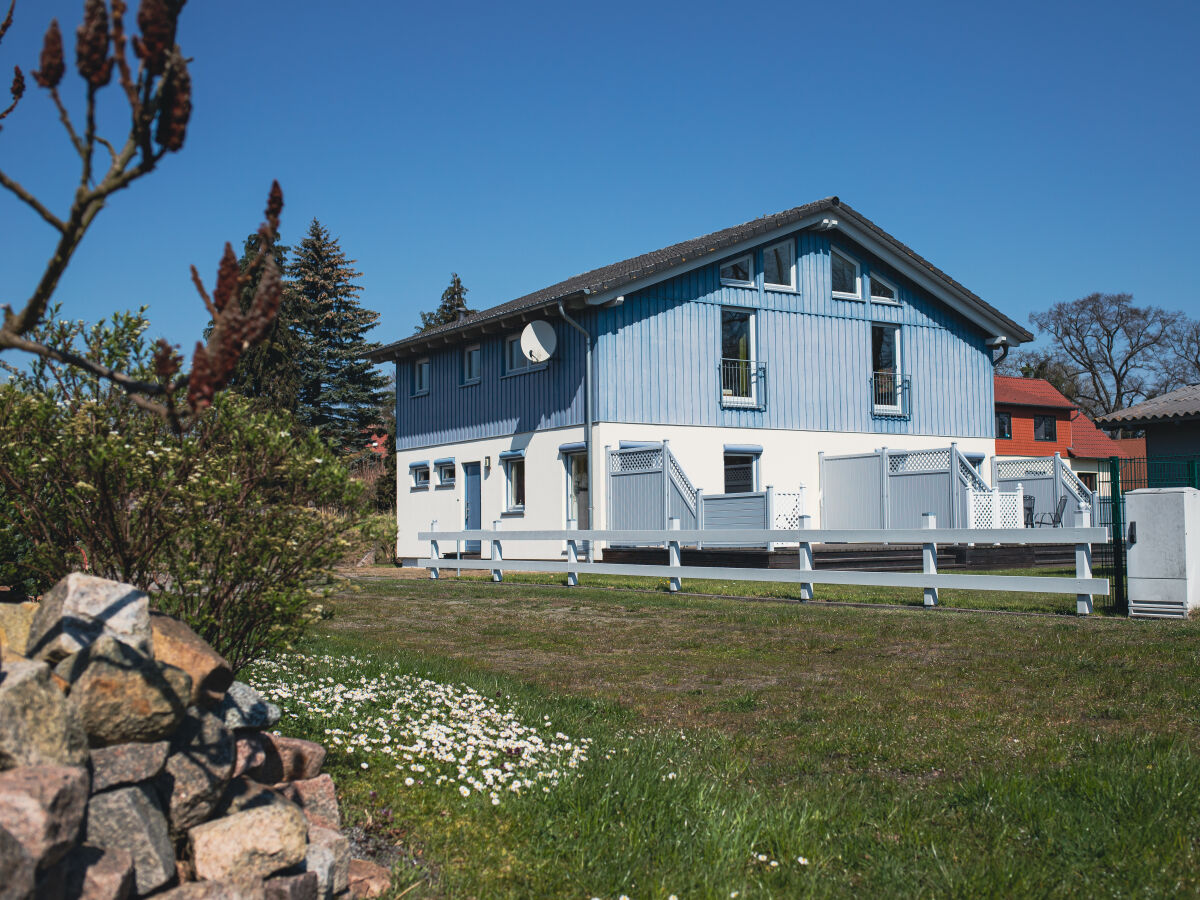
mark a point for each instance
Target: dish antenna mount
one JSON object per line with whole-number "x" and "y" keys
{"x": 538, "y": 341}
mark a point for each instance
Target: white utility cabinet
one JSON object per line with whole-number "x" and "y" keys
{"x": 1163, "y": 540}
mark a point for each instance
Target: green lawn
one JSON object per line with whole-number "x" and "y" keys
{"x": 899, "y": 751}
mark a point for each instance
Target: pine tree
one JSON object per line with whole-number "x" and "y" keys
{"x": 340, "y": 391}
{"x": 270, "y": 371}
{"x": 454, "y": 302}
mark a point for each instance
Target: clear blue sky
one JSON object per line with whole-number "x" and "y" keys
{"x": 1036, "y": 151}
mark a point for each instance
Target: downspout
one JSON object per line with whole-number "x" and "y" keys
{"x": 587, "y": 423}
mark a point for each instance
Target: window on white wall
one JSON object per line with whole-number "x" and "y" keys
{"x": 779, "y": 265}
{"x": 847, "y": 280}
{"x": 420, "y": 377}
{"x": 472, "y": 368}
{"x": 739, "y": 473}
{"x": 420, "y": 478}
{"x": 445, "y": 474}
{"x": 739, "y": 271}
{"x": 514, "y": 478}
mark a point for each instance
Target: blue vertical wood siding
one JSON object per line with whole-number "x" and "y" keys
{"x": 658, "y": 354}
{"x": 657, "y": 359}
{"x": 548, "y": 397}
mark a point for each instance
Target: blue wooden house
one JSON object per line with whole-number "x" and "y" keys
{"x": 729, "y": 363}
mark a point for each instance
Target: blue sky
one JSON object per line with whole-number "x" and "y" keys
{"x": 1035, "y": 151}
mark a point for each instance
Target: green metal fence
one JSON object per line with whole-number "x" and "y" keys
{"x": 1117, "y": 478}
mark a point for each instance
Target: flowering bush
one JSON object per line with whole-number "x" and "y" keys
{"x": 435, "y": 735}
{"x": 223, "y": 524}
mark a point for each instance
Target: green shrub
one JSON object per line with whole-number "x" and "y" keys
{"x": 225, "y": 524}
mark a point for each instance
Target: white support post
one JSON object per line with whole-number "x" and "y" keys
{"x": 929, "y": 558}
{"x": 770, "y": 514}
{"x": 434, "y": 552}
{"x": 805, "y": 560}
{"x": 572, "y": 560}
{"x": 675, "y": 583}
{"x": 1020, "y": 505}
{"x": 699, "y": 515}
{"x": 1083, "y": 565}
{"x": 497, "y": 553}
{"x": 997, "y": 522}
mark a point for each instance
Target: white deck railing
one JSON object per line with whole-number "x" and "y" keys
{"x": 1083, "y": 585}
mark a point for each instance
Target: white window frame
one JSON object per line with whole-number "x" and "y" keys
{"x": 420, "y": 390}
{"x": 420, "y": 478}
{"x": 898, "y": 406}
{"x": 895, "y": 299}
{"x": 442, "y": 469}
{"x": 467, "y": 378}
{"x": 734, "y": 282}
{"x": 790, "y": 243}
{"x": 737, "y": 402}
{"x": 510, "y": 506}
{"x": 842, "y": 295}
{"x": 512, "y": 352}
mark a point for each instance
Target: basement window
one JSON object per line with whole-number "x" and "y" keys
{"x": 739, "y": 473}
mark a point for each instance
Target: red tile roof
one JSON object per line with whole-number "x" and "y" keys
{"x": 1133, "y": 448}
{"x": 1089, "y": 442}
{"x": 1029, "y": 392}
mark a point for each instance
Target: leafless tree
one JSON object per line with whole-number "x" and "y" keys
{"x": 1113, "y": 349}
{"x": 1183, "y": 365}
{"x": 159, "y": 96}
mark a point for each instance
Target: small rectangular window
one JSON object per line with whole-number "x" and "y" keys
{"x": 738, "y": 271}
{"x": 1045, "y": 428}
{"x": 779, "y": 265}
{"x": 514, "y": 359}
{"x": 1004, "y": 425}
{"x": 514, "y": 476}
{"x": 739, "y": 473}
{"x": 420, "y": 377}
{"x": 420, "y": 478}
{"x": 445, "y": 474}
{"x": 472, "y": 364}
{"x": 882, "y": 291}
{"x": 845, "y": 275}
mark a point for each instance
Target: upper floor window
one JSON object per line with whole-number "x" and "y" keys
{"x": 886, "y": 380}
{"x": 739, "y": 270}
{"x": 1045, "y": 428}
{"x": 739, "y": 369}
{"x": 779, "y": 265}
{"x": 1004, "y": 425}
{"x": 420, "y": 377}
{"x": 847, "y": 279}
{"x": 472, "y": 364}
{"x": 883, "y": 291}
{"x": 514, "y": 359}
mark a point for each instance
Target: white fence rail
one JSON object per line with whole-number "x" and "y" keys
{"x": 1083, "y": 585}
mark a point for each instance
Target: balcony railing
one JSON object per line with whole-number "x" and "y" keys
{"x": 889, "y": 394}
{"x": 743, "y": 383}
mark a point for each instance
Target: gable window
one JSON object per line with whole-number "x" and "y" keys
{"x": 420, "y": 476}
{"x": 1004, "y": 425}
{"x": 514, "y": 484}
{"x": 739, "y": 370}
{"x": 885, "y": 368}
{"x": 847, "y": 280}
{"x": 739, "y": 473}
{"x": 445, "y": 471}
{"x": 471, "y": 365}
{"x": 514, "y": 359}
{"x": 883, "y": 291}
{"x": 1045, "y": 428}
{"x": 420, "y": 377}
{"x": 779, "y": 265}
{"x": 739, "y": 270}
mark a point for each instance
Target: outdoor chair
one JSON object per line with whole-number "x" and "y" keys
{"x": 1054, "y": 520}
{"x": 1029, "y": 502}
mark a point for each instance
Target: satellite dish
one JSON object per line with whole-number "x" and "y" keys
{"x": 538, "y": 341}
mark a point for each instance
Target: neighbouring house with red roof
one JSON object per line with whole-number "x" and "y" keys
{"x": 1034, "y": 419}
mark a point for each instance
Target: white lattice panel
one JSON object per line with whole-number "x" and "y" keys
{"x": 1025, "y": 468}
{"x": 789, "y": 507}
{"x": 682, "y": 481}
{"x": 637, "y": 461}
{"x": 994, "y": 509}
{"x": 919, "y": 461}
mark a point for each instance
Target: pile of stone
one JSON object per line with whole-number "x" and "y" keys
{"x": 133, "y": 765}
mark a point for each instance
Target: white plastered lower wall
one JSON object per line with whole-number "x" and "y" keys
{"x": 789, "y": 460}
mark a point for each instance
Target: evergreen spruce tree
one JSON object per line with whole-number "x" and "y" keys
{"x": 454, "y": 301}
{"x": 270, "y": 371}
{"x": 340, "y": 391}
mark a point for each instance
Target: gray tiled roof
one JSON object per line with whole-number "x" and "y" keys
{"x": 618, "y": 274}
{"x": 1183, "y": 403}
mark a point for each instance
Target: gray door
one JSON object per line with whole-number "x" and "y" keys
{"x": 472, "y": 505}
